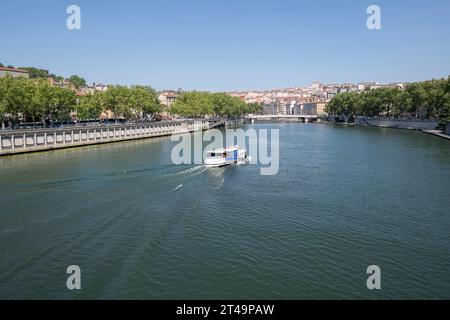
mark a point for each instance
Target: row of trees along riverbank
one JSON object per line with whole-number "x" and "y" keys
{"x": 36, "y": 100}
{"x": 421, "y": 100}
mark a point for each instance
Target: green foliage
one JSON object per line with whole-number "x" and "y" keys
{"x": 34, "y": 99}
{"x": 344, "y": 104}
{"x": 193, "y": 104}
{"x": 430, "y": 99}
{"x": 254, "y": 108}
{"x": 56, "y": 78}
{"x": 35, "y": 73}
{"x": 144, "y": 100}
{"x": 38, "y": 100}
{"x": 77, "y": 81}
{"x": 200, "y": 104}
{"x": 15, "y": 95}
{"x": 226, "y": 105}
{"x": 118, "y": 100}
{"x": 91, "y": 106}
{"x": 124, "y": 102}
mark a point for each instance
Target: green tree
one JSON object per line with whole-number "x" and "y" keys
{"x": 56, "y": 78}
{"x": 144, "y": 100}
{"x": 118, "y": 100}
{"x": 445, "y": 113}
{"x": 35, "y": 73}
{"x": 254, "y": 108}
{"x": 77, "y": 81}
{"x": 41, "y": 101}
{"x": 50, "y": 102}
{"x": 64, "y": 101}
{"x": 91, "y": 106}
{"x": 34, "y": 99}
{"x": 200, "y": 104}
{"x": 2, "y": 113}
{"x": 344, "y": 104}
{"x": 193, "y": 104}
{"x": 429, "y": 99}
{"x": 226, "y": 105}
{"x": 15, "y": 96}
{"x": 418, "y": 96}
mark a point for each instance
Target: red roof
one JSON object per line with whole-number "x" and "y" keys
{"x": 13, "y": 70}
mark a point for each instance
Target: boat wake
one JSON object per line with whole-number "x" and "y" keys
{"x": 179, "y": 187}
{"x": 194, "y": 170}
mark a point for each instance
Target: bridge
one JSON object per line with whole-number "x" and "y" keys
{"x": 216, "y": 123}
{"x": 300, "y": 117}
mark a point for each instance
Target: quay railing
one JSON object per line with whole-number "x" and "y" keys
{"x": 31, "y": 140}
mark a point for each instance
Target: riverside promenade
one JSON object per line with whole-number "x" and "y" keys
{"x": 438, "y": 133}
{"x": 34, "y": 140}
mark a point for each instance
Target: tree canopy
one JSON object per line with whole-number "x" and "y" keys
{"x": 126, "y": 103}
{"x": 91, "y": 106}
{"x": 77, "y": 81}
{"x": 35, "y": 73}
{"x": 193, "y": 104}
{"x": 430, "y": 99}
{"x": 200, "y": 104}
{"x": 36, "y": 100}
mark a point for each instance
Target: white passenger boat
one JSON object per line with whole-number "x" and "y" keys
{"x": 225, "y": 157}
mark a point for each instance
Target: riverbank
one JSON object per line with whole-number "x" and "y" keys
{"x": 437, "y": 133}
{"x": 427, "y": 127}
{"x": 26, "y": 141}
{"x": 411, "y": 124}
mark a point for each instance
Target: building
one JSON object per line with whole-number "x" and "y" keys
{"x": 365, "y": 86}
{"x": 62, "y": 84}
{"x": 308, "y": 108}
{"x": 292, "y": 108}
{"x": 96, "y": 87}
{"x": 269, "y": 108}
{"x": 168, "y": 97}
{"x": 348, "y": 87}
{"x": 282, "y": 108}
{"x": 99, "y": 87}
{"x": 321, "y": 108}
{"x": 317, "y": 86}
{"x": 13, "y": 72}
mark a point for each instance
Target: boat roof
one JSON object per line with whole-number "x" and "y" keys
{"x": 222, "y": 150}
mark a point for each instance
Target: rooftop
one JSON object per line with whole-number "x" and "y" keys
{"x": 12, "y": 70}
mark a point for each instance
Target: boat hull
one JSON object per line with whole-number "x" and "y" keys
{"x": 219, "y": 165}
{"x": 239, "y": 157}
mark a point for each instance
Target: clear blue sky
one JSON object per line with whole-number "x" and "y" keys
{"x": 229, "y": 44}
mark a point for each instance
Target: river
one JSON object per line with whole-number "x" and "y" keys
{"x": 140, "y": 227}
